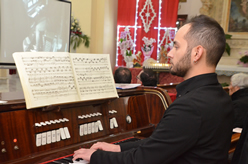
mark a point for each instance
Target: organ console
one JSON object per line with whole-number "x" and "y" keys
{"x": 53, "y": 133}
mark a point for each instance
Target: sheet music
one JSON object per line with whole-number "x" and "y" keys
{"x": 46, "y": 78}
{"x": 93, "y": 75}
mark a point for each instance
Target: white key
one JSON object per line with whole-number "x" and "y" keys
{"x": 111, "y": 123}
{"x": 58, "y": 135}
{"x": 67, "y": 133}
{"x": 89, "y": 128}
{"x": 38, "y": 139}
{"x": 54, "y": 136}
{"x": 80, "y": 162}
{"x": 93, "y": 127}
{"x": 49, "y": 137}
{"x": 100, "y": 125}
{"x": 115, "y": 122}
{"x": 85, "y": 129}
{"x": 96, "y": 127}
{"x": 81, "y": 130}
{"x": 62, "y": 133}
{"x": 43, "y": 139}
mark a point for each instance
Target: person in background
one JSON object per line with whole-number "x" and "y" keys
{"x": 122, "y": 75}
{"x": 197, "y": 127}
{"x": 147, "y": 77}
{"x": 238, "y": 90}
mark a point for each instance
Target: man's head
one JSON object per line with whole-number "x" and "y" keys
{"x": 238, "y": 81}
{"x": 198, "y": 47}
{"x": 148, "y": 78}
{"x": 122, "y": 75}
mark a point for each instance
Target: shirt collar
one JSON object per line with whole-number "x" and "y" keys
{"x": 196, "y": 82}
{"x": 239, "y": 93}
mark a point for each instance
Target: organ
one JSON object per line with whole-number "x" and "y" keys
{"x": 48, "y": 133}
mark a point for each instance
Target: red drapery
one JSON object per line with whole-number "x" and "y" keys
{"x": 126, "y": 17}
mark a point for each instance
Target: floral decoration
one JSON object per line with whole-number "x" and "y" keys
{"x": 147, "y": 48}
{"x": 77, "y": 36}
{"x": 148, "y": 44}
{"x": 126, "y": 46}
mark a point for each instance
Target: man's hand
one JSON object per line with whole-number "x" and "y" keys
{"x": 106, "y": 147}
{"x": 83, "y": 153}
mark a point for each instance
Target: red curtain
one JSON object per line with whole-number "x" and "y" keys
{"x": 126, "y": 17}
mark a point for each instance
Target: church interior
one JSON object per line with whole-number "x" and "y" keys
{"x": 39, "y": 124}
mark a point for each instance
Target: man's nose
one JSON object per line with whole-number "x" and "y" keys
{"x": 170, "y": 54}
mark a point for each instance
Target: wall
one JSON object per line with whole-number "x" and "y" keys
{"x": 190, "y": 8}
{"x": 81, "y": 9}
{"x": 98, "y": 19}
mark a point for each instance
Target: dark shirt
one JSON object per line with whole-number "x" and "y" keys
{"x": 240, "y": 106}
{"x": 196, "y": 128}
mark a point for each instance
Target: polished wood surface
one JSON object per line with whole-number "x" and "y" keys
{"x": 145, "y": 105}
{"x": 170, "y": 87}
{"x": 234, "y": 141}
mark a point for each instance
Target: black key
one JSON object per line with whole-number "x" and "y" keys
{"x": 69, "y": 159}
{"x": 79, "y": 159}
{"x": 51, "y": 163}
{"x": 62, "y": 161}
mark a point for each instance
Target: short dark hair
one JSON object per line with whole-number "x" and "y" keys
{"x": 122, "y": 75}
{"x": 148, "y": 78}
{"x": 208, "y": 33}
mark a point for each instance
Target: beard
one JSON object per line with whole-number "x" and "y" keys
{"x": 182, "y": 66}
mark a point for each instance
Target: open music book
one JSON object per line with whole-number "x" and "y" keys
{"x": 59, "y": 77}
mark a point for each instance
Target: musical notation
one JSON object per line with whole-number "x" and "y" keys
{"x": 94, "y": 75}
{"x": 49, "y": 76}
{"x": 52, "y": 78}
{"x": 86, "y": 60}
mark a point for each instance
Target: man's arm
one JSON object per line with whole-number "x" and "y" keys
{"x": 176, "y": 133}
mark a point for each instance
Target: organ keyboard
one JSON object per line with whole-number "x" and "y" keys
{"x": 52, "y": 133}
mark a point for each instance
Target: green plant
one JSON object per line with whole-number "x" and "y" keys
{"x": 228, "y": 48}
{"x": 77, "y": 36}
{"x": 224, "y": 84}
{"x": 244, "y": 59}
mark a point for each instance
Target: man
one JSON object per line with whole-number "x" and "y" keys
{"x": 148, "y": 77}
{"x": 238, "y": 90}
{"x": 197, "y": 126}
{"x": 122, "y": 75}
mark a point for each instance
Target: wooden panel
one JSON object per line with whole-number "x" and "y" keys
{"x": 18, "y": 123}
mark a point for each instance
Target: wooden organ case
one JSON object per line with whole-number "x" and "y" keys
{"x": 36, "y": 135}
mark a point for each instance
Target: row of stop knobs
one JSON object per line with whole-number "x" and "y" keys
{"x": 56, "y": 121}
{"x": 90, "y": 115}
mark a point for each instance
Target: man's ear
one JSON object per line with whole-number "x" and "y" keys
{"x": 198, "y": 52}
